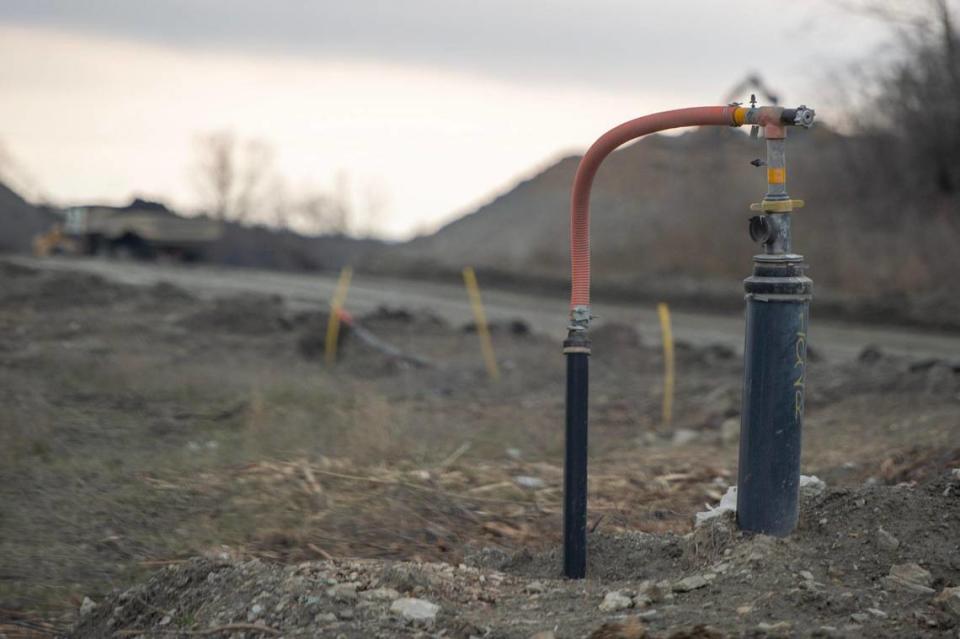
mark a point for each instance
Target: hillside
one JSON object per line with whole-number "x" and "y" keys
{"x": 672, "y": 211}
{"x": 19, "y": 221}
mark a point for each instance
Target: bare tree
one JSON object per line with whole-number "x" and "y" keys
{"x": 375, "y": 198}
{"x": 231, "y": 175}
{"x": 915, "y": 97}
{"x": 318, "y": 213}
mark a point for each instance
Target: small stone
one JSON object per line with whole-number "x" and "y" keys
{"x": 806, "y": 575}
{"x": 380, "y": 594}
{"x": 343, "y": 593}
{"x": 744, "y": 610}
{"x": 535, "y": 588}
{"x": 811, "y": 486}
{"x": 860, "y": 617}
{"x": 876, "y": 612}
{"x": 949, "y": 600}
{"x": 324, "y": 617}
{"x": 647, "y": 614}
{"x": 346, "y": 614}
{"x": 909, "y": 576}
{"x": 544, "y": 634}
{"x": 829, "y": 632}
{"x": 886, "y": 541}
{"x": 87, "y": 606}
{"x": 654, "y": 591}
{"x": 642, "y": 601}
{"x": 525, "y": 481}
{"x": 165, "y": 620}
{"x": 614, "y": 601}
{"x": 693, "y": 582}
{"x": 683, "y": 436}
{"x": 413, "y": 609}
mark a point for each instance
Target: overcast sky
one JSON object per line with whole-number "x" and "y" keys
{"x": 432, "y": 105}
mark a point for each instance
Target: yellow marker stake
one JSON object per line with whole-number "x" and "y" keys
{"x": 483, "y": 330}
{"x": 668, "y": 363}
{"x": 333, "y": 322}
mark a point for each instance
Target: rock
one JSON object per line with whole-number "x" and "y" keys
{"x": 525, "y": 481}
{"x": 87, "y": 606}
{"x": 909, "y": 576}
{"x": 346, "y": 614}
{"x": 615, "y": 600}
{"x": 535, "y": 588}
{"x": 413, "y": 609}
{"x": 343, "y": 593}
{"x": 324, "y": 617}
{"x": 949, "y": 600}
{"x": 876, "y": 612}
{"x": 811, "y": 486}
{"x": 730, "y": 431}
{"x": 642, "y": 600}
{"x": 806, "y": 575}
{"x": 860, "y": 617}
{"x": 683, "y": 436}
{"x": 655, "y": 592}
{"x": 693, "y": 582}
{"x": 380, "y": 594}
{"x": 544, "y": 634}
{"x": 886, "y": 541}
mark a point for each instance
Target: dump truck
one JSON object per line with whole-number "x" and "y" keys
{"x": 143, "y": 230}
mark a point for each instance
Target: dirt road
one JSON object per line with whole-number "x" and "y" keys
{"x": 834, "y": 340}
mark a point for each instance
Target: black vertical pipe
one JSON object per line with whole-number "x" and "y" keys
{"x": 577, "y": 351}
{"x": 775, "y": 359}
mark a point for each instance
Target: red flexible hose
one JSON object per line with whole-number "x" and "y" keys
{"x": 583, "y": 182}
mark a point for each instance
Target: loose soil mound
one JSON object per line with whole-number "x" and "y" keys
{"x": 867, "y": 562}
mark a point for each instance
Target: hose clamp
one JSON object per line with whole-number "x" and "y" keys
{"x": 580, "y": 317}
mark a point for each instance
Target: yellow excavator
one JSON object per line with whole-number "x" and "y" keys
{"x": 54, "y": 242}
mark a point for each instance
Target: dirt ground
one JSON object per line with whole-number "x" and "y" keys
{"x": 144, "y": 427}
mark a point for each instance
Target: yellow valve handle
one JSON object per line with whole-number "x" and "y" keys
{"x": 777, "y": 206}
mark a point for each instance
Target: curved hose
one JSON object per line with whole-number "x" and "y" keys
{"x": 583, "y": 182}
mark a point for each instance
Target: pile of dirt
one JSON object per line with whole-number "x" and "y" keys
{"x": 51, "y": 290}
{"x": 880, "y": 561}
{"x": 245, "y": 314}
